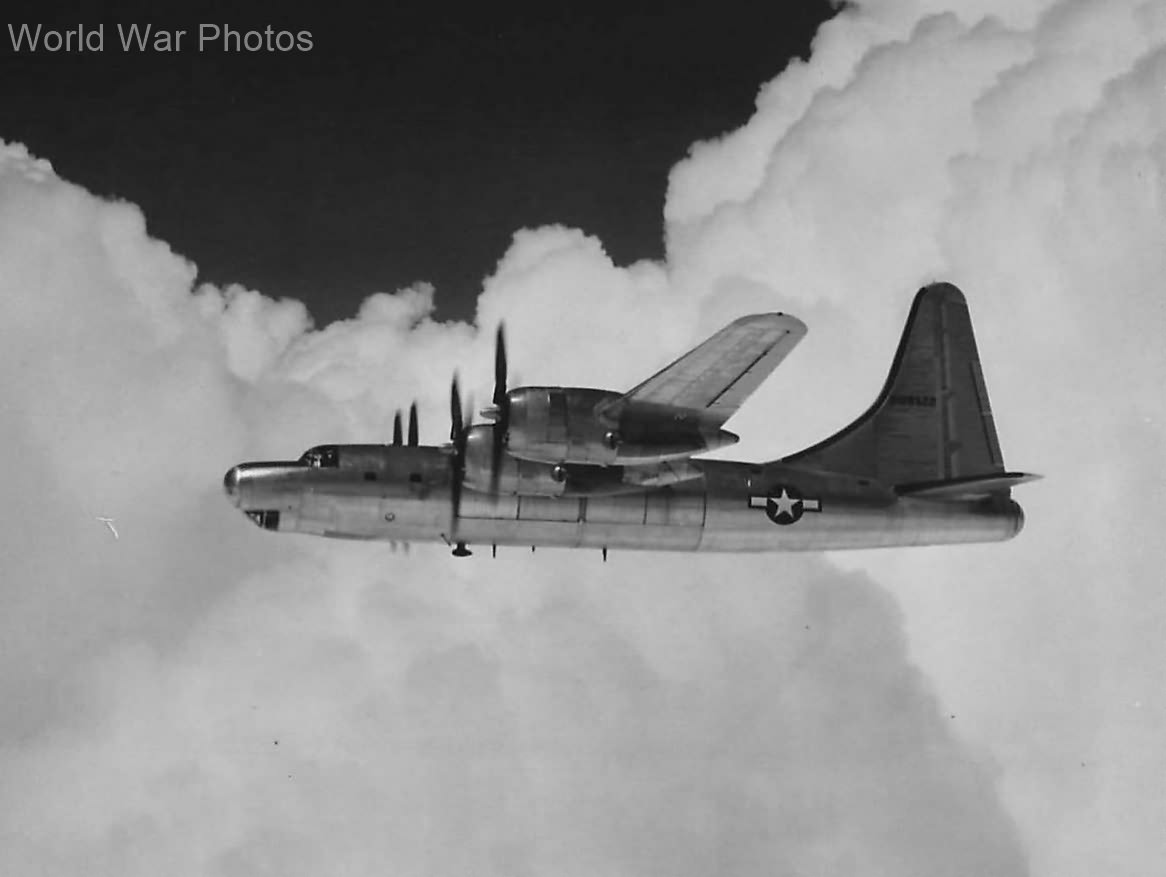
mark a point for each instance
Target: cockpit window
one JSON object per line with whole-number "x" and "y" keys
{"x": 321, "y": 457}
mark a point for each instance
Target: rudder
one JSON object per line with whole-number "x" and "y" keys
{"x": 932, "y": 421}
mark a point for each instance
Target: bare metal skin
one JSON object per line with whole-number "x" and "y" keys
{"x": 578, "y": 467}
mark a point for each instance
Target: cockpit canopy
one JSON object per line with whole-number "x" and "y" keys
{"x": 321, "y": 457}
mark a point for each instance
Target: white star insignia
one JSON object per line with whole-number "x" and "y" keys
{"x": 783, "y": 503}
{"x": 786, "y": 507}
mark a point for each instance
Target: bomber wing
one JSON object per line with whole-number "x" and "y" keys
{"x": 716, "y": 376}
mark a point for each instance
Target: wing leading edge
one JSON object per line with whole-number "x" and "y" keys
{"x": 716, "y": 376}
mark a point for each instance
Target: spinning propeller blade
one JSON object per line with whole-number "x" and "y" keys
{"x": 455, "y": 411}
{"x": 458, "y": 434}
{"x": 500, "y": 367}
{"x": 502, "y": 407}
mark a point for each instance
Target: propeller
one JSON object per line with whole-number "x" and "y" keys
{"x": 458, "y": 434}
{"x": 456, "y": 418}
{"x": 501, "y": 411}
{"x": 397, "y": 436}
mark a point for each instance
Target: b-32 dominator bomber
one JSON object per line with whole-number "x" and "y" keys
{"x": 585, "y": 468}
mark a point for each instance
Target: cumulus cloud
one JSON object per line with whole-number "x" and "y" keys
{"x": 202, "y": 694}
{"x": 1022, "y": 159}
{"x": 202, "y": 697}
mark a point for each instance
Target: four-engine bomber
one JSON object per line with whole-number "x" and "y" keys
{"x": 582, "y": 467}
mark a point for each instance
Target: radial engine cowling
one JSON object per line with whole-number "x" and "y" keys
{"x": 565, "y": 425}
{"x": 535, "y": 478}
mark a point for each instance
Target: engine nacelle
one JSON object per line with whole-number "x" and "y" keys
{"x": 565, "y": 425}
{"x": 536, "y": 478}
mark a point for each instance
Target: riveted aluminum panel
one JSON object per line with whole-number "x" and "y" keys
{"x": 622, "y": 510}
{"x": 674, "y": 508}
{"x": 548, "y": 508}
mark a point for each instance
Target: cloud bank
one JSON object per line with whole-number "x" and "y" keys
{"x": 201, "y": 697}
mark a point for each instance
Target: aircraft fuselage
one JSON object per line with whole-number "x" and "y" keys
{"x": 403, "y": 494}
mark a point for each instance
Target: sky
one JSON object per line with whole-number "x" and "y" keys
{"x": 406, "y": 145}
{"x": 197, "y": 696}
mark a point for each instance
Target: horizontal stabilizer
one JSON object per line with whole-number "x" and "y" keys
{"x": 974, "y": 487}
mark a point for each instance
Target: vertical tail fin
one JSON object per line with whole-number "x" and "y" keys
{"x": 932, "y": 422}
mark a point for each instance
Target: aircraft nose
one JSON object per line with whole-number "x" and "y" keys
{"x": 231, "y": 484}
